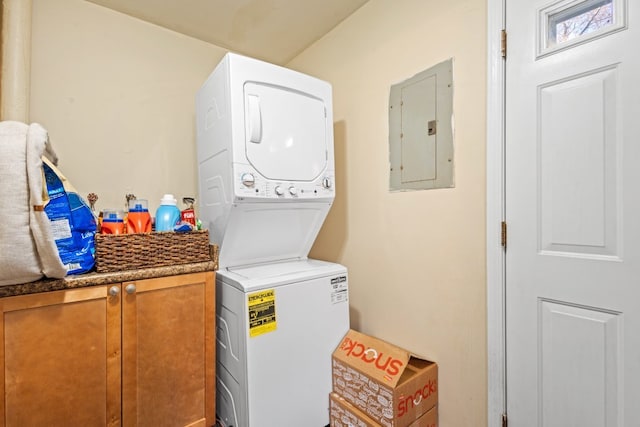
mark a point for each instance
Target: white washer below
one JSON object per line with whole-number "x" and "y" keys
{"x": 278, "y": 325}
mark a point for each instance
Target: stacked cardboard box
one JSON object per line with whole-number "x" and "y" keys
{"x": 378, "y": 384}
{"x": 344, "y": 414}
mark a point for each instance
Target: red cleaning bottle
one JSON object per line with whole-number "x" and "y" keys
{"x": 189, "y": 214}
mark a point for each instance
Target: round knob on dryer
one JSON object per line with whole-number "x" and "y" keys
{"x": 248, "y": 180}
{"x": 326, "y": 183}
{"x": 279, "y": 191}
{"x": 293, "y": 191}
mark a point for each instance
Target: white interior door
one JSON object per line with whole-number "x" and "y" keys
{"x": 573, "y": 213}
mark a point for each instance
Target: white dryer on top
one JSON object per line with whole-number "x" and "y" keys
{"x": 265, "y": 160}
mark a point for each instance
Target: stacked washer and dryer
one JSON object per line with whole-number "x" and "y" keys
{"x": 267, "y": 179}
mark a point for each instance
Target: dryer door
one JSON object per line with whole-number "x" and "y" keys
{"x": 285, "y": 133}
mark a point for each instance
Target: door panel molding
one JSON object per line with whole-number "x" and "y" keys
{"x": 565, "y": 330}
{"x": 578, "y": 145}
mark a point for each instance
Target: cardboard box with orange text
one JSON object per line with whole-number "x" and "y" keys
{"x": 344, "y": 414}
{"x": 385, "y": 382}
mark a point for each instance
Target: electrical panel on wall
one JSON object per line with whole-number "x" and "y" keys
{"x": 421, "y": 130}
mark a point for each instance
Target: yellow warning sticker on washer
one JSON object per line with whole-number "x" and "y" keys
{"x": 262, "y": 312}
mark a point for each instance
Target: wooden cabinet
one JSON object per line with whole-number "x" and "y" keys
{"x": 61, "y": 358}
{"x": 168, "y": 361}
{"x": 133, "y": 354}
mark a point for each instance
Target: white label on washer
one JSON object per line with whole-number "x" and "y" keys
{"x": 339, "y": 290}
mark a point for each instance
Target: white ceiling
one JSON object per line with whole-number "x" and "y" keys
{"x": 272, "y": 30}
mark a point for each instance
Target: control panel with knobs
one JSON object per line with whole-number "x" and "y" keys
{"x": 252, "y": 185}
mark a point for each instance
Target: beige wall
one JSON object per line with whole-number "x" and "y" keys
{"x": 117, "y": 96}
{"x": 416, "y": 259}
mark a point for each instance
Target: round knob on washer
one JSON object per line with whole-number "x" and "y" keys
{"x": 293, "y": 191}
{"x": 326, "y": 183}
{"x": 248, "y": 180}
{"x": 279, "y": 191}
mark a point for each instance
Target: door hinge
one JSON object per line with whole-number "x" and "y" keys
{"x": 503, "y": 234}
{"x": 505, "y": 421}
{"x": 503, "y": 43}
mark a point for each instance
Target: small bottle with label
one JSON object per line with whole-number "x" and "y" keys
{"x": 189, "y": 214}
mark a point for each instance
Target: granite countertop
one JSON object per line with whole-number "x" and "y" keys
{"x": 94, "y": 279}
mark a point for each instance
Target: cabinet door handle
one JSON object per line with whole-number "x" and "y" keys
{"x": 131, "y": 288}
{"x": 114, "y": 290}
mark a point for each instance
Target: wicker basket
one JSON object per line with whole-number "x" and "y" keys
{"x": 120, "y": 252}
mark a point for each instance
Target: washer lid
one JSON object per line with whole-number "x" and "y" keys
{"x": 285, "y": 132}
{"x": 253, "y": 278}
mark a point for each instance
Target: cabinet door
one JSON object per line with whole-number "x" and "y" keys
{"x": 61, "y": 358}
{"x": 168, "y": 351}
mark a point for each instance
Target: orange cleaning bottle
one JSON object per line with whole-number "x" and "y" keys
{"x": 112, "y": 222}
{"x": 138, "y": 218}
